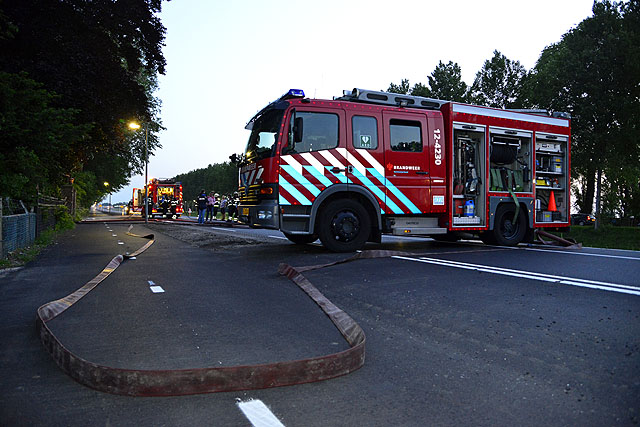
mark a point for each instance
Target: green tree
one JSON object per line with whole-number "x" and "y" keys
{"x": 220, "y": 177}
{"x": 594, "y": 73}
{"x": 498, "y": 83}
{"x": 402, "y": 88}
{"x": 102, "y": 58}
{"x": 37, "y": 139}
{"x": 445, "y": 82}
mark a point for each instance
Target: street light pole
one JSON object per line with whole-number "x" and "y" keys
{"x": 146, "y": 170}
{"x": 136, "y": 126}
{"x": 106, "y": 184}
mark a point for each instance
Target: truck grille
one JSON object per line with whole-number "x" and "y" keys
{"x": 250, "y": 195}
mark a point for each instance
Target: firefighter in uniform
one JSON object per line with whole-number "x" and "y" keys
{"x": 174, "y": 207}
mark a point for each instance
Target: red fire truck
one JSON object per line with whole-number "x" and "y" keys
{"x": 348, "y": 170}
{"x": 165, "y": 199}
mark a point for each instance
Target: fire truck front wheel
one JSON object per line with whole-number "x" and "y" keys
{"x": 344, "y": 226}
{"x": 506, "y": 231}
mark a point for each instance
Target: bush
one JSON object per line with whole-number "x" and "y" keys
{"x": 64, "y": 221}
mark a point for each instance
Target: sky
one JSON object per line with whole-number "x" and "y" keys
{"x": 226, "y": 60}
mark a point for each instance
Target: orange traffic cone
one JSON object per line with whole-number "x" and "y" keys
{"x": 552, "y": 203}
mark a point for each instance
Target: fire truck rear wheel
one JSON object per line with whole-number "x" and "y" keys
{"x": 301, "y": 239}
{"x": 344, "y": 226}
{"x": 506, "y": 232}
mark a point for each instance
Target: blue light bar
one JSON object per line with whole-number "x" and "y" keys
{"x": 293, "y": 93}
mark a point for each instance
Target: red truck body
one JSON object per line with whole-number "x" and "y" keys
{"x": 165, "y": 198}
{"x": 350, "y": 169}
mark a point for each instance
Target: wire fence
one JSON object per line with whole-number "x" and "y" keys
{"x": 21, "y": 223}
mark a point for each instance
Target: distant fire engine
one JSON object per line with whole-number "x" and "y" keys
{"x": 165, "y": 199}
{"x": 350, "y": 169}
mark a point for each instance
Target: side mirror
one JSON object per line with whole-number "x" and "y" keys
{"x": 298, "y": 129}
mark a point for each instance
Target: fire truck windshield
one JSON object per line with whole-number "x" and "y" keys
{"x": 264, "y": 136}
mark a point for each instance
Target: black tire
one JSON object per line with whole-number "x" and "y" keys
{"x": 344, "y": 226}
{"x": 581, "y": 223}
{"x": 505, "y": 231}
{"x": 301, "y": 239}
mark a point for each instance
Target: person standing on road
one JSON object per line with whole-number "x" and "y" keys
{"x": 216, "y": 205}
{"x": 202, "y": 206}
{"x": 210, "y": 201}
{"x": 223, "y": 207}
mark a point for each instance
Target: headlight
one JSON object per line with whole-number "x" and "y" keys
{"x": 265, "y": 215}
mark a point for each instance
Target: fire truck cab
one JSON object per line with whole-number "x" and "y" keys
{"x": 348, "y": 170}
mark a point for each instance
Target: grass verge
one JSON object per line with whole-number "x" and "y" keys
{"x": 606, "y": 237}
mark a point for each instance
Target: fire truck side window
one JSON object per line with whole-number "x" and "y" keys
{"x": 365, "y": 132}
{"x": 320, "y": 132}
{"x": 405, "y": 135}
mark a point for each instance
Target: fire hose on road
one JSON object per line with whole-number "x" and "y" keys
{"x": 134, "y": 382}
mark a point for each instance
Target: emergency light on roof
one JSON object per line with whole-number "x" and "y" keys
{"x": 293, "y": 93}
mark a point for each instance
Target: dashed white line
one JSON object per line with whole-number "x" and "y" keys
{"x": 155, "y": 288}
{"x": 258, "y": 414}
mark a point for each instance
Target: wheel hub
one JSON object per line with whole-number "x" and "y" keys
{"x": 345, "y": 226}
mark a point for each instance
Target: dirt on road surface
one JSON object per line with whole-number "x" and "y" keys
{"x": 207, "y": 237}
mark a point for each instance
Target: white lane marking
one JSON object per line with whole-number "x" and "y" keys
{"x": 581, "y": 253}
{"x": 555, "y": 251}
{"x": 605, "y": 286}
{"x": 224, "y": 229}
{"x": 277, "y": 237}
{"x": 155, "y": 288}
{"x": 258, "y": 414}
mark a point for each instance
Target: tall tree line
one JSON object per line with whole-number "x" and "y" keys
{"x": 593, "y": 73}
{"x": 73, "y": 73}
{"x": 221, "y": 178}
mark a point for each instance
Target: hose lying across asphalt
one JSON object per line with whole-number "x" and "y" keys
{"x": 134, "y": 382}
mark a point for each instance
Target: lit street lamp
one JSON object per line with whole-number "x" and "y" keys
{"x": 136, "y": 126}
{"x": 106, "y": 184}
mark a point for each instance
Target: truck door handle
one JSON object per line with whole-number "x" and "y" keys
{"x": 336, "y": 169}
{"x": 422, "y": 172}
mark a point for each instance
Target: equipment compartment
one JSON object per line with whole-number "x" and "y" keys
{"x": 469, "y": 189}
{"x": 552, "y": 180}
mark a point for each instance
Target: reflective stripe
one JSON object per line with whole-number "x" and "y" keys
{"x": 375, "y": 190}
{"x": 294, "y": 192}
{"x": 282, "y": 200}
{"x": 394, "y": 190}
{"x": 372, "y": 161}
{"x": 339, "y": 175}
{"x": 301, "y": 180}
{"x": 319, "y": 175}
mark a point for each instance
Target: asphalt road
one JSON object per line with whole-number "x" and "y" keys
{"x": 457, "y": 334}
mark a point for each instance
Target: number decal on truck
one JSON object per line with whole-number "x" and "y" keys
{"x": 438, "y": 148}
